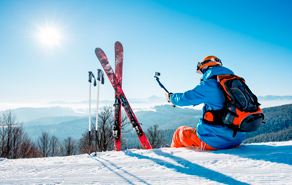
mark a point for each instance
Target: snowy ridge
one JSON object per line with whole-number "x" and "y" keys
{"x": 262, "y": 163}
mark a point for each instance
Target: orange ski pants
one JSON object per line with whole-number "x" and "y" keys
{"x": 186, "y": 136}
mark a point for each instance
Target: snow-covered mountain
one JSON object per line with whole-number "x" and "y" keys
{"x": 62, "y": 108}
{"x": 150, "y": 100}
{"x": 157, "y": 99}
{"x": 26, "y": 114}
{"x": 273, "y": 98}
{"x": 262, "y": 163}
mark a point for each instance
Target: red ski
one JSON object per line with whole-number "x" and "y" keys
{"x": 118, "y": 111}
{"x": 120, "y": 94}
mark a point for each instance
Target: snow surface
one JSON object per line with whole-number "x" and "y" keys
{"x": 263, "y": 163}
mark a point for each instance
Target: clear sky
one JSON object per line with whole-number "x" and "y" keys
{"x": 253, "y": 38}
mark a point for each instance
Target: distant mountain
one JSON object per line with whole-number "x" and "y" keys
{"x": 51, "y": 120}
{"x": 272, "y": 98}
{"x": 60, "y": 109}
{"x": 168, "y": 117}
{"x": 73, "y": 128}
{"x": 29, "y": 114}
{"x": 266, "y": 101}
{"x": 59, "y": 102}
{"x": 165, "y": 116}
{"x": 150, "y": 100}
{"x": 65, "y": 122}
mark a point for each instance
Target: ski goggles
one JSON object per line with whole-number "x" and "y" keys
{"x": 213, "y": 62}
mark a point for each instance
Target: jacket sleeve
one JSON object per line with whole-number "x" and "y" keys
{"x": 205, "y": 92}
{"x": 195, "y": 96}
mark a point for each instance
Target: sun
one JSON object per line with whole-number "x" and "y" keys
{"x": 50, "y": 36}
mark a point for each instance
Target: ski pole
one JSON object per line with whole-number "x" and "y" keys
{"x": 100, "y": 78}
{"x": 90, "y": 76}
{"x": 89, "y": 102}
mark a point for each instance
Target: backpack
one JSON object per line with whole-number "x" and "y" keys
{"x": 241, "y": 111}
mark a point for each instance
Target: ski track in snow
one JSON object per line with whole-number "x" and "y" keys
{"x": 262, "y": 163}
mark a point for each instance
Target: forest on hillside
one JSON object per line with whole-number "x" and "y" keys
{"x": 159, "y": 127}
{"x": 277, "y": 126}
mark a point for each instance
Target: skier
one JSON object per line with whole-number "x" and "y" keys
{"x": 206, "y": 136}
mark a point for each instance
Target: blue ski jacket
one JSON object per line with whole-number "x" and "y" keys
{"x": 208, "y": 92}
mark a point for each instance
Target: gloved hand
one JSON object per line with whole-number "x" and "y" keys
{"x": 168, "y": 97}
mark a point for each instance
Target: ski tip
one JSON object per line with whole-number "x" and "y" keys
{"x": 118, "y": 44}
{"x": 97, "y": 50}
{"x": 100, "y": 54}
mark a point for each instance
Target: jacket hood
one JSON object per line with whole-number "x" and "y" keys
{"x": 218, "y": 70}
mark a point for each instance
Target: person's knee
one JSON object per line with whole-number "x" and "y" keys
{"x": 182, "y": 127}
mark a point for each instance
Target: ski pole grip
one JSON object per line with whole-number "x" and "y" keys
{"x": 94, "y": 81}
{"x": 100, "y": 76}
{"x": 102, "y": 79}
{"x": 89, "y": 76}
{"x": 99, "y": 71}
{"x": 94, "y": 84}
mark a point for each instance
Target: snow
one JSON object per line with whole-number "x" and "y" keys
{"x": 261, "y": 163}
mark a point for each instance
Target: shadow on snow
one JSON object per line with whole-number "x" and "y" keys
{"x": 118, "y": 168}
{"x": 188, "y": 168}
{"x": 276, "y": 154}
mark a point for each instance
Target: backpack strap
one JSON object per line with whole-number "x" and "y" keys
{"x": 213, "y": 77}
{"x": 213, "y": 117}
{"x": 234, "y": 133}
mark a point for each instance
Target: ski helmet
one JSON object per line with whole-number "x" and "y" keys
{"x": 207, "y": 62}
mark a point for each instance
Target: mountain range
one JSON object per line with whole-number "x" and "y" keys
{"x": 150, "y": 100}
{"x": 156, "y": 99}
{"x": 165, "y": 116}
{"x": 64, "y": 122}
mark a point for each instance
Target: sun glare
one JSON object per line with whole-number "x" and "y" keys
{"x": 50, "y": 36}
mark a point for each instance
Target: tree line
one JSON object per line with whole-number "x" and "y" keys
{"x": 277, "y": 126}
{"x": 15, "y": 143}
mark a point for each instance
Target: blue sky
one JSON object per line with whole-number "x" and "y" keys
{"x": 253, "y": 38}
